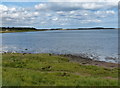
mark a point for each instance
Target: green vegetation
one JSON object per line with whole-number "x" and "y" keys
{"x": 28, "y": 29}
{"x": 53, "y": 70}
{"x": 16, "y": 29}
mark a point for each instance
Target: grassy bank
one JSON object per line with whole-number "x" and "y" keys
{"x": 53, "y": 70}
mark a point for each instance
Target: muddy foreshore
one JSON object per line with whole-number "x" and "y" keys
{"x": 88, "y": 61}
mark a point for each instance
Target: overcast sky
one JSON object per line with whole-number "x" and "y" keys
{"x": 52, "y": 14}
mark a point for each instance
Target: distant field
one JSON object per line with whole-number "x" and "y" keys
{"x": 53, "y": 70}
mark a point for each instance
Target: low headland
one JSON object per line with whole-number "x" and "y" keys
{"x": 26, "y": 69}
{"x": 28, "y": 29}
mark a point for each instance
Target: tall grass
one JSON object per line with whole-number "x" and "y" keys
{"x": 53, "y": 70}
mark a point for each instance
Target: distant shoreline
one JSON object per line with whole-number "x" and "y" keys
{"x": 25, "y": 29}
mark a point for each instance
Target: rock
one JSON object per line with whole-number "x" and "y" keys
{"x": 50, "y": 54}
{"x": 65, "y": 74}
{"x": 26, "y": 49}
{"x": 24, "y": 53}
{"x": 48, "y": 67}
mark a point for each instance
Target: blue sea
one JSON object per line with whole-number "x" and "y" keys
{"x": 101, "y": 45}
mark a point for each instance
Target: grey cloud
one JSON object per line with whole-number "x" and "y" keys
{"x": 69, "y": 6}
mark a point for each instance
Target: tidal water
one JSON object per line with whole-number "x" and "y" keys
{"x": 97, "y": 44}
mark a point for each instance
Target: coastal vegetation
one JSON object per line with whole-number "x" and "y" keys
{"x": 28, "y": 29}
{"x": 26, "y": 69}
{"x": 16, "y": 29}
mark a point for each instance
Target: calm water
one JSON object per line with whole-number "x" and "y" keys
{"x": 97, "y": 44}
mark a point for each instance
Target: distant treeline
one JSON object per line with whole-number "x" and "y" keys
{"x": 101, "y": 28}
{"x": 15, "y": 28}
{"x": 34, "y": 29}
